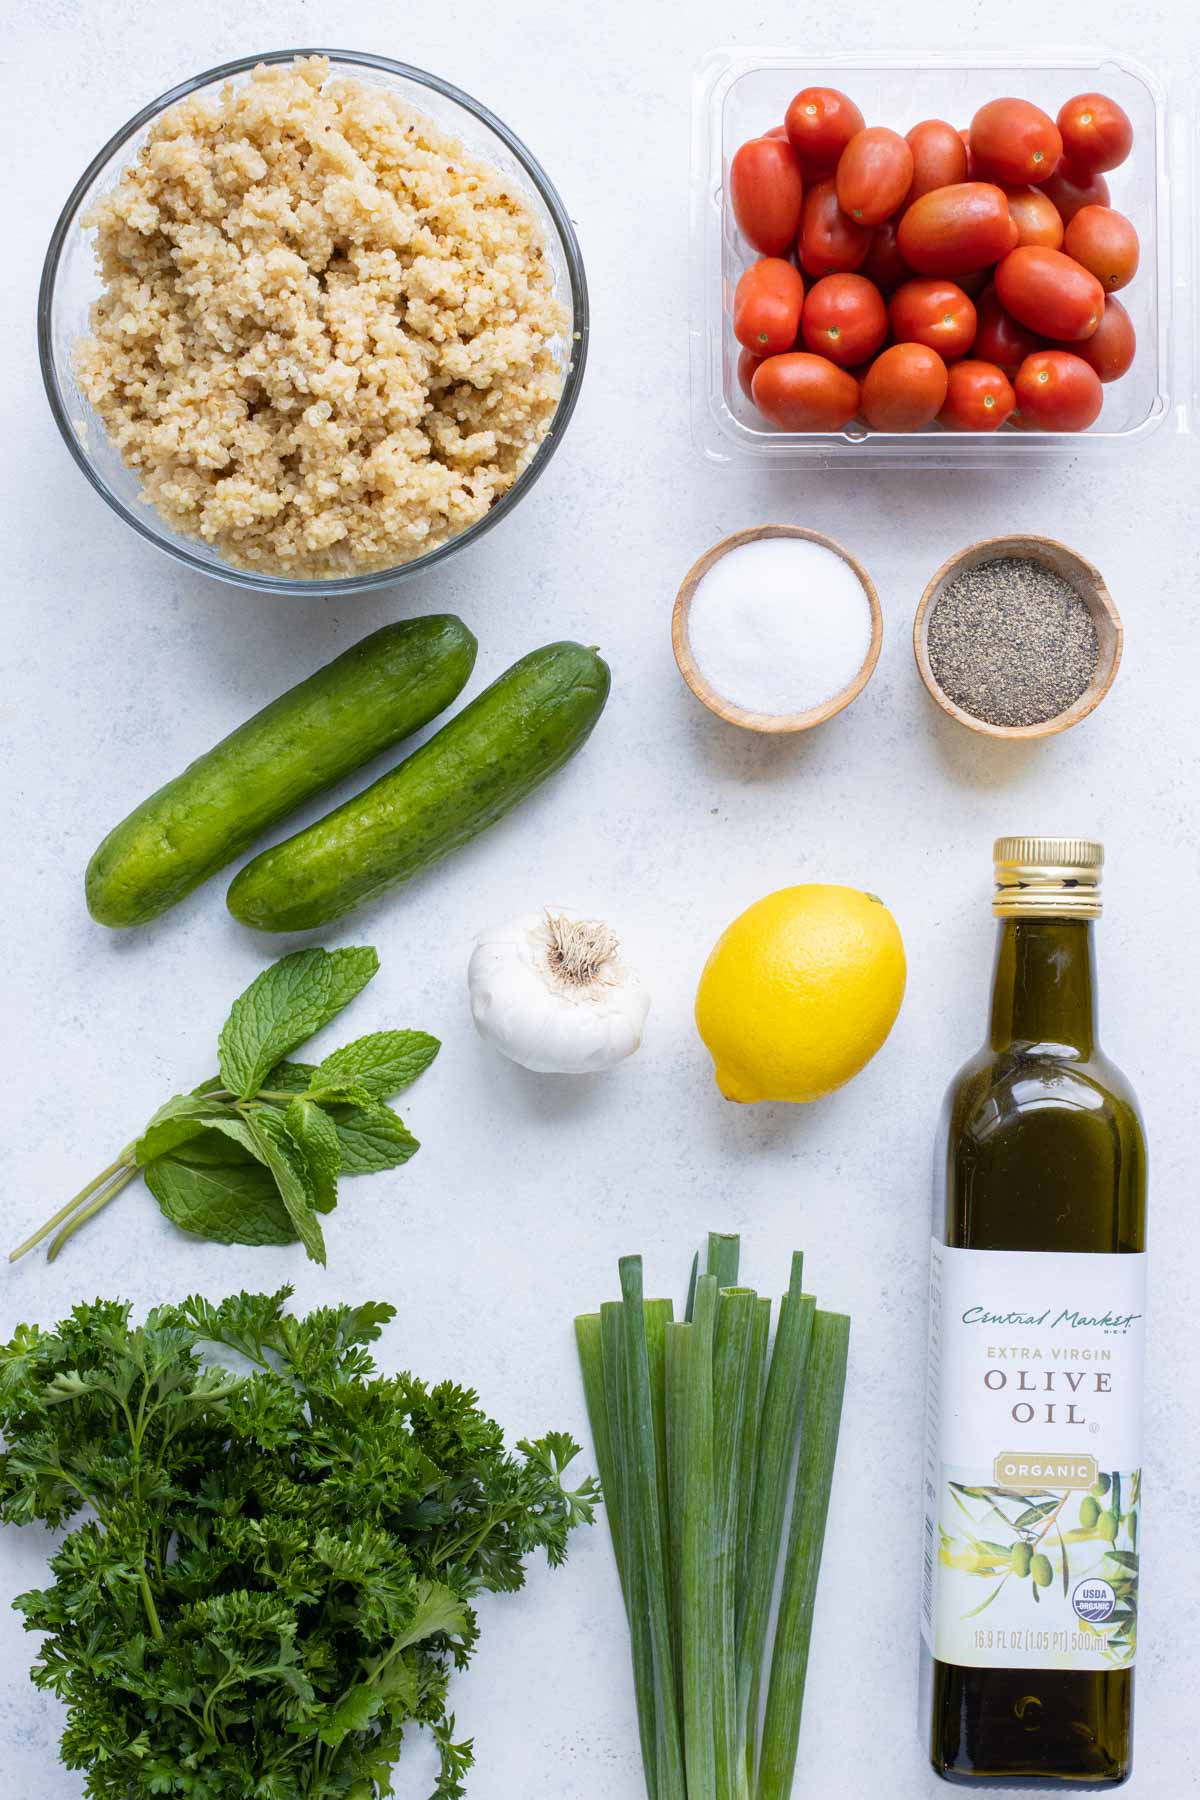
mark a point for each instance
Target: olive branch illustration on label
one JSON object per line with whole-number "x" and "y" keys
{"x": 1037, "y": 1544}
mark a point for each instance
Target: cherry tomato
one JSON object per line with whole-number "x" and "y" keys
{"x": 1000, "y": 339}
{"x": 1112, "y": 346}
{"x": 974, "y": 282}
{"x": 979, "y": 397}
{"x": 874, "y": 173}
{"x": 1036, "y": 216}
{"x": 767, "y": 304}
{"x": 884, "y": 264}
{"x": 830, "y": 243}
{"x": 799, "y": 392}
{"x": 1050, "y": 292}
{"x": 904, "y": 389}
{"x": 1106, "y": 243}
{"x": 766, "y": 190}
{"x": 965, "y": 136}
{"x": 935, "y": 313}
{"x": 1071, "y": 188}
{"x": 820, "y": 123}
{"x": 1057, "y": 391}
{"x": 939, "y": 157}
{"x": 954, "y": 230}
{"x": 1096, "y": 132}
{"x": 1015, "y": 141}
{"x": 845, "y": 319}
{"x": 747, "y": 362}
{"x": 777, "y": 131}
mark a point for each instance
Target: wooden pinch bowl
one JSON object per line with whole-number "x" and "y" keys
{"x": 739, "y": 715}
{"x": 1079, "y": 574}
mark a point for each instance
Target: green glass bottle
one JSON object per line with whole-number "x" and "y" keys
{"x": 1037, "y": 1302}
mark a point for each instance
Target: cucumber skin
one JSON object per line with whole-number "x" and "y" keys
{"x": 377, "y": 692}
{"x": 485, "y": 760}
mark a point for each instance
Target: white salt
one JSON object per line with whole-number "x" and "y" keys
{"x": 779, "y": 625}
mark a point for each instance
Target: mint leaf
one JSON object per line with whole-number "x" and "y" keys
{"x": 286, "y": 1160}
{"x": 317, "y": 1137}
{"x": 384, "y": 1063}
{"x": 201, "y": 1188}
{"x": 182, "y": 1119}
{"x": 285, "y": 1005}
{"x": 372, "y": 1138}
{"x": 290, "y": 1077}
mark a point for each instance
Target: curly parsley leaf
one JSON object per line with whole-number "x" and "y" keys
{"x": 269, "y": 1576}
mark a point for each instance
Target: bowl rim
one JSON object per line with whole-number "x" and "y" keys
{"x": 770, "y": 723}
{"x": 1092, "y": 589}
{"x": 573, "y": 371}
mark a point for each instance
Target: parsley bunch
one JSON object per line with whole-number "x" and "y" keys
{"x": 276, "y": 1574}
{"x": 253, "y": 1155}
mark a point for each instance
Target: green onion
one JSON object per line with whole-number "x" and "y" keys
{"x": 647, "y": 1550}
{"x": 824, "y": 1385}
{"x": 698, "y": 1427}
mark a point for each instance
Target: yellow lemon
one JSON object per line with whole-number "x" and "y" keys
{"x": 800, "y": 992}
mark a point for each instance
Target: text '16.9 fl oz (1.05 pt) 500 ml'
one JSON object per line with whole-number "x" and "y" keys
{"x": 1032, "y": 1486}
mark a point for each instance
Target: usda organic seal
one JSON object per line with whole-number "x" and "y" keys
{"x": 1094, "y": 1601}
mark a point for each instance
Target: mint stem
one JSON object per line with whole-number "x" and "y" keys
{"x": 114, "y": 1168}
{"x": 89, "y": 1212}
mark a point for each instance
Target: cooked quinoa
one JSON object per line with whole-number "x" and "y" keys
{"x": 328, "y": 338}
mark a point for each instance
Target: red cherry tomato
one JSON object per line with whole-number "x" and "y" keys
{"x": 1112, "y": 346}
{"x": 979, "y": 397}
{"x": 935, "y": 313}
{"x": 766, "y": 191}
{"x": 776, "y": 131}
{"x": 1096, "y": 132}
{"x": 1015, "y": 141}
{"x": 1106, "y": 243}
{"x": 767, "y": 304}
{"x": 747, "y": 362}
{"x": 1000, "y": 339}
{"x": 820, "y": 123}
{"x": 974, "y": 282}
{"x": 1036, "y": 217}
{"x": 954, "y": 230}
{"x": 1071, "y": 188}
{"x": 873, "y": 175}
{"x": 939, "y": 157}
{"x": 1050, "y": 292}
{"x": 904, "y": 389}
{"x": 845, "y": 319}
{"x": 1058, "y": 391}
{"x": 830, "y": 243}
{"x": 799, "y": 392}
{"x": 884, "y": 264}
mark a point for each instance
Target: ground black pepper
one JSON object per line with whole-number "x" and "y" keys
{"x": 1011, "y": 642}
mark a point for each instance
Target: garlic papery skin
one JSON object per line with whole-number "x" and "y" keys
{"x": 549, "y": 990}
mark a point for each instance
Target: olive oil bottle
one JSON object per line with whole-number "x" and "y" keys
{"x": 1032, "y": 1485}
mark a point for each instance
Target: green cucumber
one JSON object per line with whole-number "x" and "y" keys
{"x": 377, "y": 692}
{"x": 477, "y": 768}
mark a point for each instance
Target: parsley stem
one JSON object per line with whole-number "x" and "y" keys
{"x": 114, "y": 1168}
{"x": 156, "y": 1630}
{"x": 97, "y": 1205}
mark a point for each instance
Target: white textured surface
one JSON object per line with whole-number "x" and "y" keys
{"x": 119, "y": 668}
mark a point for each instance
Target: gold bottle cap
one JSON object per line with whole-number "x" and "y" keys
{"x": 1047, "y": 877}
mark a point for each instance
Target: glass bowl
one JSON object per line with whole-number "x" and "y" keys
{"x": 70, "y": 283}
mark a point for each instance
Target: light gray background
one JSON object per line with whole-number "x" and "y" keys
{"x": 119, "y": 668}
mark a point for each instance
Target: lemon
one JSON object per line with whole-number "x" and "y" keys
{"x": 800, "y": 992}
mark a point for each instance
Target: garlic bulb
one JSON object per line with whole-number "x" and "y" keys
{"x": 549, "y": 991}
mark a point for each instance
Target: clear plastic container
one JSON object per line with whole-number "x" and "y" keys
{"x": 742, "y": 92}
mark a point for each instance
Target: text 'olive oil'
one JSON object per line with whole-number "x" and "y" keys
{"x": 1037, "y": 1300}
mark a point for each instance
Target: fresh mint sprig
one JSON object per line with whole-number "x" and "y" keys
{"x": 253, "y": 1155}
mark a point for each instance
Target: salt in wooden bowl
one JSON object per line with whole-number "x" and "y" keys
{"x": 727, "y": 709}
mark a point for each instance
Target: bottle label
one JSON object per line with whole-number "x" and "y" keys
{"x": 1033, "y": 1458}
